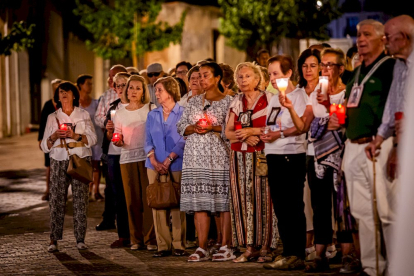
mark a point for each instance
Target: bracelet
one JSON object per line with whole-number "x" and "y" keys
{"x": 51, "y": 140}
{"x": 170, "y": 158}
{"x": 150, "y": 153}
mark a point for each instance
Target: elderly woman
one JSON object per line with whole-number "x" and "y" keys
{"x": 228, "y": 79}
{"x": 321, "y": 177}
{"x": 130, "y": 126}
{"x": 193, "y": 84}
{"x": 114, "y": 170}
{"x": 254, "y": 220}
{"x": 286, "y": 150}
{"x": 205, "y": 180}
{"x": 79, "y": 135}
{"x": 165, "y": 148}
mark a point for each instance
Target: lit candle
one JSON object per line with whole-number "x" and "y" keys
{"x": 237, "y": 125}
{"x": 113, "y": 115}
{"x": 63, "y": 127}
{"x": 340, "y": 113}
{"x": 282, "y": 84}
{"x": 332, "y": 109}
{"x": 202, "y": 122}
{"x": 266, "y": 130}
{"x": 323, "y": 80}
{"x": 115, "y": 137}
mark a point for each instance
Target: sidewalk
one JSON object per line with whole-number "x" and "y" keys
{"x": 24, "y": 231}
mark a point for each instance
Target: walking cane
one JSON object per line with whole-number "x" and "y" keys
{"x": 376, "y": 217}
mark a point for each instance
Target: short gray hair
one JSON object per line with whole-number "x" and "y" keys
{"x": 255, "y": 68}
{"x": 378, "y": 26}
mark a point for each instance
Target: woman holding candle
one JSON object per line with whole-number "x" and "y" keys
{"x": 205, "y": 180}
{"x": 113, "y": 153}
{"x": 84, "y": 83}
{"x": 80, "y": 137}
{"x": 164, "y": 147}
{"x": 130, "y": 125}
{"x": 285, "y": 150}
{"x": 193, "y": 76}
{"x": 254, "y": 221}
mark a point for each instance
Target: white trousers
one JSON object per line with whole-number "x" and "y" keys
{"x": 359, "y": 179}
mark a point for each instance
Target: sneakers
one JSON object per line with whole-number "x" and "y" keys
{"x": 152, "y": 247}
{"x": 137, "y": 247}
{"x": 286, "y": 263}
{"x": 81, "y": 246}
{"x": 310, "y": 253}
{"x": 52, "y": 248}
{"x": 350, "y": 264}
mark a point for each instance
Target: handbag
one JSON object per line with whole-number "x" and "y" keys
{"x": 163, "y": 195}
{"x": 78, "y": 168}
{"x": 261, "y": 163}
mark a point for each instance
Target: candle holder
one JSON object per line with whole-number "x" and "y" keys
{"x": 266, "y": 130}
{"x": 63, "y": 127}
{"x": 202, "y": 122}
{"x": 332, "y": 109}
{"x": 237, "y": 125}
{"x": 339, "y": 110}
{"x": 116, "y": 137}
{"x": 398, "y": 115}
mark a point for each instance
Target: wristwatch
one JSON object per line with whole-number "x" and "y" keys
{"x": 80, "y": 138}
{"x": 171, "y": 159}
{"x": 281, "y": 134}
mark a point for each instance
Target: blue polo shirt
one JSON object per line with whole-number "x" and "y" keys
{"x": 162, "y": 136}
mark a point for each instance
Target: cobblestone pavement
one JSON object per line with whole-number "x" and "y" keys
{"x": 24, "y": 235}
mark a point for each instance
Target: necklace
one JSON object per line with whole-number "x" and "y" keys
{"x": 167, "y": 113}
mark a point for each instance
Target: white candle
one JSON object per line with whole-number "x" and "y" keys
{"x": 282, "y": 84}
{"x": 113, "y": 115}
{"x": 323, "y": 80}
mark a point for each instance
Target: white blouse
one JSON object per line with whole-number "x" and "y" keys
{"x": 131, "y": 124}
{"x": 81, "y": 122}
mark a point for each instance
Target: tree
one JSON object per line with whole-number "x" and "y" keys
{"x": 126, "y": 28}
{"x": 253, "y": 24}
{"x": 19, "y": 38}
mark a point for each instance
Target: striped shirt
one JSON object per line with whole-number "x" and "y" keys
{"x": 395, "y": 100}
{"x": 104, "y": 104}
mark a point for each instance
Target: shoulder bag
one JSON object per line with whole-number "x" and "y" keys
{"x": 163, "y": 195}
{"x": 261, "y": 163}
{"x": 78, "y": 168}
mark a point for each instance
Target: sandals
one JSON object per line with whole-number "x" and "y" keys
{"x": 266, "y": 256}
{"x": 224, "y": 254}
{"x": 200, "y": 255}
{"x": 247, "y": 256}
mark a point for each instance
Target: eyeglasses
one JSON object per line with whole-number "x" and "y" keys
{"x": 182, "y": 72}
{"x": 328, "y": 65}
{"x": 387, "y": 37}
{"x": 156, "y": 74}
{"x": 120, "y": 85}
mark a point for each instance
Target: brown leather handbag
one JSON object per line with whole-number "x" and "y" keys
{"x": 164, "y": 195}
{"x": 78, "y": 168}
{"x": 261, "y": 163}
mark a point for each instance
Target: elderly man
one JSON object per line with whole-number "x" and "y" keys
{"x": 366, "y": 94}
{"x": 154, "y": 72}
{"x": 108, "y": 221}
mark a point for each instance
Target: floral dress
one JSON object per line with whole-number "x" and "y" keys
{"x": 205, "y": 176}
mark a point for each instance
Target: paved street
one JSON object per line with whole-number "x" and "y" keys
{"x": 24, "y": 231}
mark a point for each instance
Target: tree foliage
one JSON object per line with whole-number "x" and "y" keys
{"x": 126, "y": 26}
{"x": 19, "y": 38}
{"x": 257, "y": 23}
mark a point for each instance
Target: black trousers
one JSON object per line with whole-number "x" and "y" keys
{"x": 321, "y": 198}
{"x": 115, "y": 180}
{"x": 286, "y": 181}
{"x": 109, "y": 209}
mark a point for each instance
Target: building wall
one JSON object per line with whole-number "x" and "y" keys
{"x": 198, "y": 41}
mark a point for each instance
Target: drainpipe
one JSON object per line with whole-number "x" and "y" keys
{"x": 7, "y": 67}
{"x": 17, "y": 91}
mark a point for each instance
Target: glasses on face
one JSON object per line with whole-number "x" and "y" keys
{"x": 328, "y": 65}
{"x": 184, "y": 72}
{"x": 156, "y": 74}
{"x": 387, "y": 36}
{"x": 120, "y": 85}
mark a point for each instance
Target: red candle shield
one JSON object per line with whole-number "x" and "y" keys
{"x": 340, "y": 113}
{"x": 237, "y": 125}
{"x": 115, "y": 137}
{"x": 63, "y": 127}
{"x": 332, "y": 109}
{"x": 398, "y": 115}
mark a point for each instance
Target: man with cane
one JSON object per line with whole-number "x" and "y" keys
{"x": 369, "y": 86}
{"x": 398, "y": 37}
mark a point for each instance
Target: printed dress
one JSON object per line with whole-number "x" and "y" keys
{"x": 205, "y": 180}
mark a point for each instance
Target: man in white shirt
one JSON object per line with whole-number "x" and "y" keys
{"x": 154, "y": 72}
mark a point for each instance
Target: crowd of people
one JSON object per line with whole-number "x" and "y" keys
{"x": 313, "y": 166}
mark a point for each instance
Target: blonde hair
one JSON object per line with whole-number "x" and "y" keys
{"x": 340, "y": 56}
{"x": 171, "y": 86}
{"x": 145, "y": 94}
{"x": 121, "y": 76}
{"x": 256, "y": 71}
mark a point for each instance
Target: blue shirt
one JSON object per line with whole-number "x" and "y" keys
{"x": 163, "y": 137}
